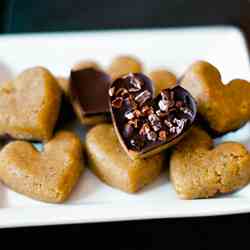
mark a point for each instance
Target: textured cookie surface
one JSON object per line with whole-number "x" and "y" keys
{"x": 198, "y": 170}
{"x": 123, "y": 65}
{"x": 49, "y": 175}
{"x": 162, "y": 79}
{"x": 29, "y": 105}
{"x": 111, "y": 164}
{"x": 224, "y": 107}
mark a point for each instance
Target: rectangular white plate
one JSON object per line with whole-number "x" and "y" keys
{"x": 175, "y": 49}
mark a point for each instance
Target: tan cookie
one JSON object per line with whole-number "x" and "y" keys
{"x": 49, "y": 175}
{"x": 224, "y": 107}
{"x": 198, "y": 170}
{"x": 29, "y": 105}
{"x": 123, "y": 65}
{"x": 111, "y": 164}
{"x": 162, "y": 79}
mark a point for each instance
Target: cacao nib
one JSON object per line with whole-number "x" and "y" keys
{"x": 117, "y": 103}
{"x": 145, "y": 129}
{"x": 162, "y": 135}
{"x": 146, "y": 110}
{"x": 129, "y": 115}
{"x": 143, "y": 97}
{"x": 152, "y": 136}
{"x": 133, "y": 122}
{"x": 135, "y": 83}
{"x": 121, "y": 92}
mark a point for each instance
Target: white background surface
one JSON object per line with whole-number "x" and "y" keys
{"x": 174, "y": 49}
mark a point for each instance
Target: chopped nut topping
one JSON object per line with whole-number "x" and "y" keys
{"x": 163, "y": 105}
{"x": 153, "y": 119}
{"x": 168, "y": 123}
{"x": 162, "y": 135}
{"x": 143, "y": 97}
{"x": 147, "y": 122}
{"x": 130, "y": 103}
{"x": 121, "y": 92}
{"x": 186, "y": 111}
{"x": 117, "y": 102}
{"x": 161, "y": 113}
{"x": 146, "y": 110}
{"x": 137, "y": 113}
{"x": 133, "y": 122}
{"x": 167, "y": 100}
{"x": 135, "y": 83}
{"x": 129, "y": 115}
{"x": 145, "y": 129}
{"x": 152, "y": 136}
{"x": 156, "y": 127}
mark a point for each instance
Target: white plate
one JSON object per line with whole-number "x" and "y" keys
{"x": 93, "y": 201}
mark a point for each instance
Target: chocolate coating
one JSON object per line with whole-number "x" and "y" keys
{"x": 89, "y": 87}
{"x": 145, "y": 123}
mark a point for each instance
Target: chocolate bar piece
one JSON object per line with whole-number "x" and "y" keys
{"x": 89, "y": 89}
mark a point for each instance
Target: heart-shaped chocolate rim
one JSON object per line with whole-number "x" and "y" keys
{"x": 147, "y": 125}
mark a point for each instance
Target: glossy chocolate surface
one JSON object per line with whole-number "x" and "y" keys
{"x": 144, "y": 122}
{"x": 90, "y": 88}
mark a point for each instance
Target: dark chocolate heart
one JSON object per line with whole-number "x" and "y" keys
{"x": 147, "y": 125}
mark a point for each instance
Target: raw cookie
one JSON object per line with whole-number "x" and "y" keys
{"x": 49, "y": 175}
{"x": 199, "y": 171}
{"x": 123, "y": 65}
{"x": 112, "y": 165}
{"x": 224, "y": 107}
{"x": 162, "y": 79}
{"x": 29, "y": 105}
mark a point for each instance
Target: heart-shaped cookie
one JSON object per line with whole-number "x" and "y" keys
{"x": 29, "y": 105}
{"x": 112, "y": 165}
{"x": 49, "y": 175}
{"x": 147, "y": 125}
{"x": 224, "y": 107}
{"x": 162, "y": 79}
{"x": 124, "y": 64}
{"x": 198, "y": 170}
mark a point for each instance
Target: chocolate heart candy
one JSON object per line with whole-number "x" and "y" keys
{"x": 89, "y": 94}
{"x": 145, "y": 125}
